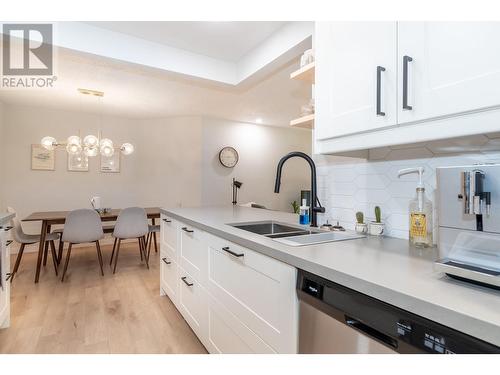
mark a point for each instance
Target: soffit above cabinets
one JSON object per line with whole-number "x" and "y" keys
{"x": 227, "y": 53}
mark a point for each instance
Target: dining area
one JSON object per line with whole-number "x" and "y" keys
{"x": 64, "y": 232}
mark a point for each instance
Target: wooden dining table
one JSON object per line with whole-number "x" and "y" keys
{"x": 49, "y": 218}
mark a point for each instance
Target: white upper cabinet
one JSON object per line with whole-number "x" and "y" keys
{"x": 441, "y": 80}
{"x": 454, "y": 68}
{"x": 355, "y": 77}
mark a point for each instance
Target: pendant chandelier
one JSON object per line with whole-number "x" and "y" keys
{"x": 90, "y": 145}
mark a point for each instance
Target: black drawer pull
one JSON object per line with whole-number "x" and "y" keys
{"x": 227, "y": 250}
{"x": 167, "y": 221}
{"x": 380, "y": 69}
{"x": 8, "y": 242}
{"x": 166, "y": 261}
{"x": 186, "y": 282}
{"x": 406, "y": 61}
{"x": 6, "y": 229}
{"x": 187, "y": 230}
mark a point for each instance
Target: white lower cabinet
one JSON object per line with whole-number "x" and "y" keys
{"x": 235, "y": 299}
{"x": 193, "y": 304}
{"x": 169, "y": 277}
{"x": 4, "y": 283}
{"x": 228, "y": 335}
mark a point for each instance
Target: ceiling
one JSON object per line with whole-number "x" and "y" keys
{"x": 222, "y": 40}
{"x": 136, "y": 91}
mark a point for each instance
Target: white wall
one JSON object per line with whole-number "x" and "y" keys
{"x": 347, "y": 185}
{"x": 259, "y": 149}
{"x": 175, "y": 162}
{"x": 1, "y": 160}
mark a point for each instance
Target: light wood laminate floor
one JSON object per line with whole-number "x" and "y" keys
{"x": 88, "y": 313}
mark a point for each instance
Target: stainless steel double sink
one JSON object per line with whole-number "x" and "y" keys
{"x": 294, "y": 235}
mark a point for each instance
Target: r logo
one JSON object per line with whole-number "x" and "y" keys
{"x": 27, "y": 50}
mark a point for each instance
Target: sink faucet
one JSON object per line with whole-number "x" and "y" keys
{"x": 314, "y": 193}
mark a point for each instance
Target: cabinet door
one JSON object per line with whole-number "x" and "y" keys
{"x": 193, "y": 252}
{"x": 169, "y": 277}
{"x": 259, "y": 290}
{"x": 454, "y": 68}
{"x": 193, "y": 304}
{"x": 5, "y": 284}
{"x": 168, "y": 236}
{"x": 348, "y": 55}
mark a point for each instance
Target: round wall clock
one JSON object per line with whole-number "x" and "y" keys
{"x": 228, "y": 157}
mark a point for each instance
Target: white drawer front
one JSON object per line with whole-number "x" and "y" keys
{"x": 169, "y": 277}
{"x": 257, "y": 289}
{"x": 5, "y": 289}
{"x": 228, "y": 335}
{"x": 169, "y": 235}
{"x": 193, "y": 304}
{"x": 193, "y": 252}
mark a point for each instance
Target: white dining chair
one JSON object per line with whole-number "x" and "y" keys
{"x": 28, "y": 239}
{"x": 82, "y": 226}
{"x": 132, "y": 222}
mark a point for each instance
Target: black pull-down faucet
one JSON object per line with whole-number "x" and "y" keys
{"x": 314, "y": 193}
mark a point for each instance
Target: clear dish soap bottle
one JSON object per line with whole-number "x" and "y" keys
{"x": 304, "y": 213}
{"x": 420, "y": 227}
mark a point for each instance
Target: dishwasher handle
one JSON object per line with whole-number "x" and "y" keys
{"x": 371, "y": 332}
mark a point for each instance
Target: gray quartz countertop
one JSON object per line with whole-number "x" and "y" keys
{"x": 5, "y": 217}
{"x": 385, "y": 268}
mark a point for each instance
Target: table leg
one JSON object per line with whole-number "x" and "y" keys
{"x": 154, "y": 237}
{"x": 41, "y": 246}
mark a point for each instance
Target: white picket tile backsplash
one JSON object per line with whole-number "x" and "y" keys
{"x": 348, "y": 185}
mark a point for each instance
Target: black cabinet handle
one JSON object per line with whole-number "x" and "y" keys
{"x": 6, "y": 229}
{"x": 9, "y": 275}
{"x": 187, "y": 230}
{"x": 406, "y": 61}
{"x": 165, "y": 260}
{"x": 227, "y": 250}
{"x": 167, "y": 221}
{"x": 186, "y": 282}
{"x": 8, "y": 242}
{"x": 380, "y": 69}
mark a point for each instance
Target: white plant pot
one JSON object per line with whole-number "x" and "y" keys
{"x": 361, "y": 228}
{"x": 376, "y": 229}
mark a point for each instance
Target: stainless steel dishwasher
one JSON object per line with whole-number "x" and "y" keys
{"x": 335, "y": 319}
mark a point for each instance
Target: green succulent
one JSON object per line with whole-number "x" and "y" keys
{"x": 296, "y": 207}
{"x": 378, "y": 215}
{"x": 360, "y": 218}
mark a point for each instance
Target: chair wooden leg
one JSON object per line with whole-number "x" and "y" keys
{"x": 68, "y": 254}
{"x": 60, "y": 251}
{"x": 156, "y": 245}
{"x": 18, "y": 261}
{"x": 99, "y": 256}
{"x": 45, "y": 253}
{"x": 149, "y": 245}
{"x": 53, "y": 255}
{"x": 140, "y": 247}
{"x": 144, "y": 249}
{"x": 117, "y": 252}
{"x": 113, "y": 252}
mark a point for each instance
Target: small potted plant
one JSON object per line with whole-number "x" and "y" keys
{"x": 361, "y": 226}
{"x": 377, "y": 227}
{"x": 295, "y": 207}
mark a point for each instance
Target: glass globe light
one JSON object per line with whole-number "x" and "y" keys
{"x": 127, "y": 148}
{"x": 74, "y": 145}
{"x": 91, "y": 141}
{"x": 107, "y": 148}
{"x": 90, "y": 151}
{"x": 49, "y": 143}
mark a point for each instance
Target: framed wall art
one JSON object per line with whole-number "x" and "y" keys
{"x": 110, "y": 164}
{"x": 42, "y": 159}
